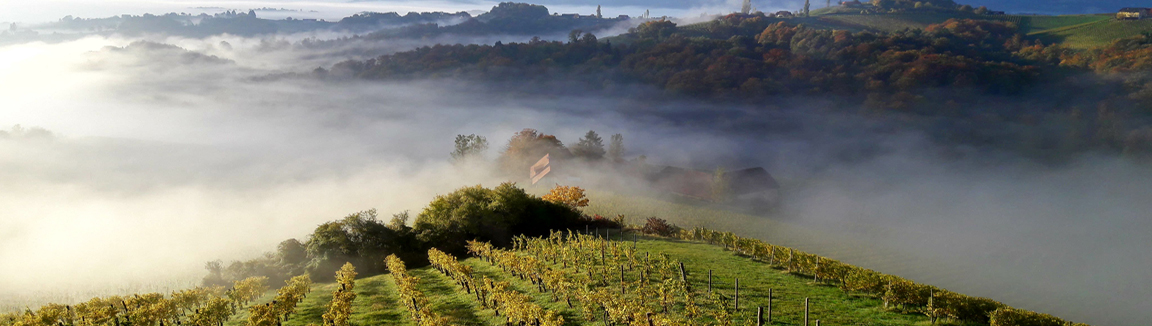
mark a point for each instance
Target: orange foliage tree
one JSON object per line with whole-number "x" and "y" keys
{"x": 571, "y": 196}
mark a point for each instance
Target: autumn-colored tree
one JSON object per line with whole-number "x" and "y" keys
{"x": 571, "y": 196}
{"x": 526, "y": 147}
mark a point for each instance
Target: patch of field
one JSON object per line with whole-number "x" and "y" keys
{"x": 1038, "y": 24}
{"x": 1095, "y": 34}
{"x": 890, "y": 22}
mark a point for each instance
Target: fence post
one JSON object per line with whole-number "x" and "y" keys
{"x": 816, "y": 272}
{"x": 760, "y": 316}
{"x": 683, "y": 276}
{"x": 805, "y": 311}
{"x": 709, "y": 281}
{"x": 736, "y": 297}
{"x": 622, "y": 279}
{"x": 769, "y": 306}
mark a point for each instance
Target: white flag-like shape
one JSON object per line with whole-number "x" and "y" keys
{"x": 540, "y": 169}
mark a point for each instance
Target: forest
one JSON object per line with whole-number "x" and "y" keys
{"x": 965, "y": 73}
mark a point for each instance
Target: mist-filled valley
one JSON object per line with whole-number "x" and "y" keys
{"x": 128, "y": 161}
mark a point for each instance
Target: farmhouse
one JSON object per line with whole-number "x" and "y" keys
{"x": 783, "y": 14}
{"x": 748, "y": 186}
{"x": 1133, "y": 13}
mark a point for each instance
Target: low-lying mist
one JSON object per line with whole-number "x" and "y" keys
{"x": 161, "y": 159}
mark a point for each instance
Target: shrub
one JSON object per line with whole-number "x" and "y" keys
{"x": 491, "y": 215}
{"x": 660, "y": 227}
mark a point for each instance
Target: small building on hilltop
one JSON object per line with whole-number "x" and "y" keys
{"x": 1133, "y": 13}
{"x": 752, "y": 186}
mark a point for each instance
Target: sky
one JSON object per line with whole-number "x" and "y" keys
{"x": 36, "y": 11}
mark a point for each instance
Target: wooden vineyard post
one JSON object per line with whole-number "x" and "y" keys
{"x": 817, "y": 322}
{"x": 709, "y": 281}
{"x": 769, "y": 306}
{"x": 760, "y": 316}
{"x": 621, "y": 279}
{"x": 635, "y": 238}
{"x": 736, "y": 297}
{"x": 683, "y": 276}
{"x": 805, "y": 311}
{"x": 816, "y": 272}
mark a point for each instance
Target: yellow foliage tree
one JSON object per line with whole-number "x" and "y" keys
{"x": 571, "y": 196}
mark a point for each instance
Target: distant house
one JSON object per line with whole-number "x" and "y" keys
{"x": 1133, "y": 13}
{"x": 570, "y": 15}
{"x": 852, "y": 4}
{"x": 748, "y": 186}
{"x": 622, "y": 17}
{"x": 783, "y": 14}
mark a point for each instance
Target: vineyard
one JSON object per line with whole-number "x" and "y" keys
{"x": 598, "y": 277}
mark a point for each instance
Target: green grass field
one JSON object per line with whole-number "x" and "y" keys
{"x": 377, "y": 295}
{"x": 1096, "y": 33}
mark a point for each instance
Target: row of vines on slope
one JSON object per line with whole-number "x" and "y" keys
{"x": 609, "y": 281}
{"x": 414, "y": 300}
{"x": 201, "y": 306}
{"x": 897, "y": 292}
{"x": 287, "y": 297}
{"x": 516, "y": 307}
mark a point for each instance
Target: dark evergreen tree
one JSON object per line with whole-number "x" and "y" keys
{"x": 590, "y": 147}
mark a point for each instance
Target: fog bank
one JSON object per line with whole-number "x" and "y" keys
{"x": 164, "y": 157}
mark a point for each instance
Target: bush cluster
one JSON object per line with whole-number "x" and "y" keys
{"x": 493, "y": 215}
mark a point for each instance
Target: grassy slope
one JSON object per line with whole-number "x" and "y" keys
{"x": 1097, "y": 33}
{"x": 376, "y": 303}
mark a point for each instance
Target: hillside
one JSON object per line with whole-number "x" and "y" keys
{"x": 1078, "y": 31}
{"x": 1094, "y": 33}
{"x": 377, "y": 301}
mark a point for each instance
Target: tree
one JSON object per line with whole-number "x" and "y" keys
{"x": 526, "y": 147}
{"x": 982, "y": 10}
{"x": 570, "y": 196}
{"x": 807, "y": 4}
{"x": 591, "y": 147}
{"x": 746, "y": 8}
{"x": 215, "y": 273}
{"x": 616, "y": 148}
{"x": 598, "y": 15}
{"x": 468, "y": 147}
{"x": 291, "y": 252}
{"x": 492, "y": 215}
{"x": 359, "y": 238}
{"x": 574, "y": 36}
